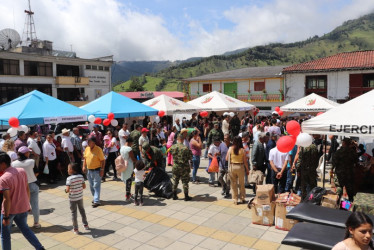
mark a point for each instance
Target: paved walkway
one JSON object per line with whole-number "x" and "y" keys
{"x": 206, "y": 222}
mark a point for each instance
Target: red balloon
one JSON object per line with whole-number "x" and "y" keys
{"x": 320, "y": 113}
{"x": 97, "y": 120}
{"x": 13, "y": 122}
{"x": 106, "y": 122}
{"x": 204, "y": 114}
{"x": 286, "y": 143}
{"x": 277, "y": 109}
{"x": 161, "y": 113}
{"x": 110, "y": 116}
{"x": 280, "y": 112}
{"x": 293, "y": 128}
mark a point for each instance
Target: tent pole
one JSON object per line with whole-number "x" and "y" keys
{"x": 324, "y": 163}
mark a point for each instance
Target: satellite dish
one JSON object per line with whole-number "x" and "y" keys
{"x": 9, "y": 38}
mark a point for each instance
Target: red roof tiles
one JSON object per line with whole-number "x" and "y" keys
{"x": 345, "y": 60}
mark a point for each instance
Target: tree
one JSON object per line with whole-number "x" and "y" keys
{"x": 161, "y": 85}
{"x": 135, "y": 85}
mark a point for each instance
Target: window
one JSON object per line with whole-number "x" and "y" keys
{"x": 38, "y": 68}
{"x": 259, "y": 86}
{"x": 9, "y": 67}
{"x": 368, "y": 81}
{"x": 88, "y": 66}
{"x": 316, "y": 82}
{"x": 67, "y": 70}
{"x": 71, "y": 94}
{"x": 94, "y": 67}
{"x": 207, "y": 87}
{"x": 106, "y": 68}
{"x": 101, "y": 68}
{"x": 11, "y": 91}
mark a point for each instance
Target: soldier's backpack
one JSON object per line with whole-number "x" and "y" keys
{"x": 121, "y": 164}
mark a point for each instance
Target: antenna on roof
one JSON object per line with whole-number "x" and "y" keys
{"x": 29, "y": 33}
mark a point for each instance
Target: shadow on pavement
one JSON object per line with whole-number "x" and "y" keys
{"x": 97, "y": 233}
{"x": 204, "y": 197}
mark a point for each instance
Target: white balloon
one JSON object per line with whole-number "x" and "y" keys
{"x": 90, "y": 126}
{"x": 23, "y": 128}
{"x": 12, "y": 132}
{"x": 304, "y": 140}
{"x": 114, "y": 122}
{"x": 91, "y": 118}
{"x": 224, "y": 114}
{"x": 232, "y": 114}
{"x": 157, "y": 119}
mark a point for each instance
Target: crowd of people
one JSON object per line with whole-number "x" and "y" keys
{"x": 239, "y": 146}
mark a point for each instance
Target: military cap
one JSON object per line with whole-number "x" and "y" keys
{"x": 146, "y": 146}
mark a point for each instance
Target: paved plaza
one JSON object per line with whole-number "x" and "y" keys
{"x": 206, "y": 222}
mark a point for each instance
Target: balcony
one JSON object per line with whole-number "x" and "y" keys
{"x": 72, "y": 80}
{"x": 253, "y": 97}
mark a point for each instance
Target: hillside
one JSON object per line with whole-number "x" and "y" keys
{"x": 352, "y": 35}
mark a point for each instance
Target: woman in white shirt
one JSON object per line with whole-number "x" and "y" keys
{"x": 110, "y": 161}
{"x": 128, "y": 155}
{"x": 28, "y": 165}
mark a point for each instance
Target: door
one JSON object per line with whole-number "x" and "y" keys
{"x": 230, "y": 89}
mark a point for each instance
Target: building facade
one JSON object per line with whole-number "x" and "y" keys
{"x": 59, "y": 74}
{"x": 261, "y": 86}
{"x": 340, "y": 77}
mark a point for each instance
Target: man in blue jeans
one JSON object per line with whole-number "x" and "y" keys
{"x": 94, "y": 162}
{"x": 16, "y": 203}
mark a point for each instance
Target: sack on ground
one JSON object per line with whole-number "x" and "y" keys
{"x": 315, "y": 196}
{"x": 256, "y": 177}
{"x": 121, "y": 164}
{"x": 214, "y": 166}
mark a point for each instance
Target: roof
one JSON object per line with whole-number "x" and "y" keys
{"x": 152, "y": 94}
{"x": 244, "y": 73}
{"x": 341, "y": 61}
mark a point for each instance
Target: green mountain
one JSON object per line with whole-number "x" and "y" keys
{"x": 352, "y": 35}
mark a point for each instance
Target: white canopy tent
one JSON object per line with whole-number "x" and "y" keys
{"x": 171, "y": 105}
{"x": 312, "y": 103}
{"x": 216, "y": 101}
{"x": 353, "y": 118}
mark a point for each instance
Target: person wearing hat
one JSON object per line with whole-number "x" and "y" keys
{"x": 343, "y": 163}
{"x": 181, "y": 168}
{"x": 152, "y": 156}
{"x": 29, "y": 166}
{"x": 135, "y": 135}
{"x": 226, "y": 124}
{"x": 98, "y": 135}
{"x": 142, "y": 139}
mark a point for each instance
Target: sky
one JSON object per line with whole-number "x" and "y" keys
{"x": 133, "y": 30}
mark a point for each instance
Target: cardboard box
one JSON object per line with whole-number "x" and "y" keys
{"x": 262, "y": 214}
{"x": 283, "y": 197}
{"x": 330, "y": 200}
{"x": 293, "y": 199}
{"x": 265, "y": 194}
{"x": 281, "y": 222}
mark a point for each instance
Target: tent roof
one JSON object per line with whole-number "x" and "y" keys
{"x": 216, "y": 101}
{"x": 171, "y": 105}
{"x": 353, "y": 118}
{"x": 121, "y": 106}
{"x": 34, "y": 106}
{"x": 310, "y": 103}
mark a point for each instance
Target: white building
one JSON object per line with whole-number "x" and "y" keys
{"x": 340, "y": 77}
{"x": 57, "y": 73}
{"x": 261, "y": 86}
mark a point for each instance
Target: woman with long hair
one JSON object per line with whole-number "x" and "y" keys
{"x": 110, "y": 161}
{"x": 195, "y": 145}
{"x": 358, "y": 233}
{"x": 8, "y": 147}
{"x": 170, "y": 142}
{"x": 237, "y": 169}
{"x": 29, "y": 166}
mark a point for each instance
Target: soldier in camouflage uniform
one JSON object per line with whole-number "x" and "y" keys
{"x": 135, "y": 135}
{"x": 343, "y": 163}
{"x": 307, "y": 165}
{"x": 216, "y": 132}
{"x": 181, "y": 168}
{"x": 152, "y": 156}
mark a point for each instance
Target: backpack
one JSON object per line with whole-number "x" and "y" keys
{"x": 121, "y": 164}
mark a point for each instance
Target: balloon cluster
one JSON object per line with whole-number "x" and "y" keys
{"x": 257, "y": 110}
{"x": 204, "y": 113}
{"x": 15, "y": 127}
{"x": 109, "y": 120}
{"x": 287, "y": 143}
{"x": 279, "y": 111}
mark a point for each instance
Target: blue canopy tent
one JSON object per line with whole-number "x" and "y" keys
{"x": 121, "y": 106}
{"x": 38, "y": 108}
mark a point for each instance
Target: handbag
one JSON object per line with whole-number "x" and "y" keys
{"x": 121, "y": 164}
{"x": 214, "y": 166}
{"x": 46, "y": 169}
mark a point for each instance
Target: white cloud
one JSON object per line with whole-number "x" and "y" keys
{"x": 98, "y": 28}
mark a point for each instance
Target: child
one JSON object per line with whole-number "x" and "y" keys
{"x": 139, "y": 181}
{"x": 74, "y": 186}
{"x": 107, "y": 143}
{"x": 164, "y": 154}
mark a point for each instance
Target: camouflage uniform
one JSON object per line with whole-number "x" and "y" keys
{"x": 214, "y": 133}
{"x": 181, "y": 168}
{"x": 308, "y": 163}
{"x": 343, "y": 162}
{"x": 153, "y": 158}
{"x": 135, "y": 135}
